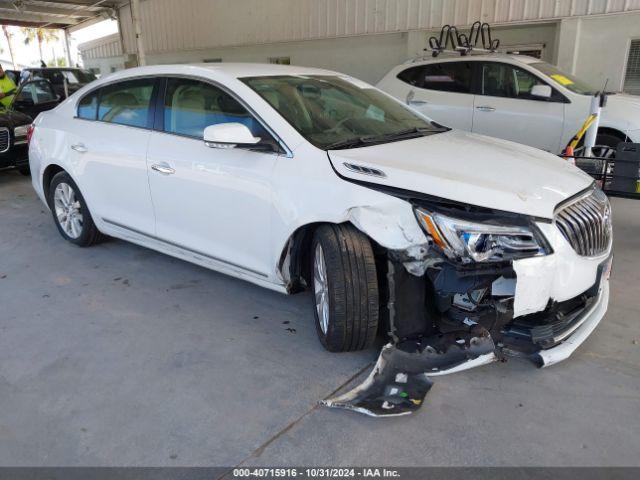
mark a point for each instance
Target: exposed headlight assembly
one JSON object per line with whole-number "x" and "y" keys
{"x": 470, "y": 241}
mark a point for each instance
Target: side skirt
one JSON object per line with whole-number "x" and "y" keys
{"x": 113, "y": 229}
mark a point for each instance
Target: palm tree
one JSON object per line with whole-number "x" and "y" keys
{"x": 42, "y": 35}
{"x": 8, "y": 35}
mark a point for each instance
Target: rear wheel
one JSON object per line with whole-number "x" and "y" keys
{"x": 345, "y": 288}
{"x": 70, "y": 212}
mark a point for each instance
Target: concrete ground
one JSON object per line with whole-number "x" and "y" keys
{"x": 117, "y": 356}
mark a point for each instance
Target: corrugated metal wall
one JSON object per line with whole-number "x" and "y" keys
{"x": 102, "y": 48}
{"x": 170, "y": 25}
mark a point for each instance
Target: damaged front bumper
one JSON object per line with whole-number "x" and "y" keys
{"x": 399, "y": 381}
{"x": 445, "y": 316}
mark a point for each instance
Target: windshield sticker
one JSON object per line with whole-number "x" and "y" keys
{"x": 561, "y": 79}
{"x": 375, "y": 113}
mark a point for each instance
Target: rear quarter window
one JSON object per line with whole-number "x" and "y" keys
{"x": 445, "y": 77}
{"x": 88, "y": 106}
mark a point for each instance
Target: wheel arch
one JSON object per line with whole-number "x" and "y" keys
{"x": 51, "y": 171}
{"x": 613, "y": 131}
{"x": 293, "y": 263}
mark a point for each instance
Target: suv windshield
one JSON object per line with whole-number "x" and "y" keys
{"x": 567, "y": 80}
{"x": 57, "y": 76}
{"x": 335, "y": 112}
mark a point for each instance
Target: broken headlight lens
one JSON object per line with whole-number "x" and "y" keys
{"x": 480, "y": 242}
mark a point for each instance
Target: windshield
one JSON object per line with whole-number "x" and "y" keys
{"x": 567, "y": 80}
{"x": 339, "y": 112}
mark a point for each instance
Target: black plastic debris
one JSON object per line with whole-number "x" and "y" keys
{"x": 400, "y": 379}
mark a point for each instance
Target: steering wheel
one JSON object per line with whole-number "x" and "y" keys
{"x": 338, "y": 125}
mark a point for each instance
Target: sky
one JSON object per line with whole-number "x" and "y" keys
{"x": 27, "y": 55}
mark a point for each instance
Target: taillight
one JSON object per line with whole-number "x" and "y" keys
{"x": 30, "y": 130}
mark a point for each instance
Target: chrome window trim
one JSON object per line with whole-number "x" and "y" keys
{"x": 281, "y": 142}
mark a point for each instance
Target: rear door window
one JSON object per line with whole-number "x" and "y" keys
{"x": 190, "y": 106}
{"x": 127, "y": 103}
{"x": 445, "y": 77}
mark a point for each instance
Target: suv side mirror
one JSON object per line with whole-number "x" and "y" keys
{"x": 228, "y": 135}
{"x": 542, "y": 91}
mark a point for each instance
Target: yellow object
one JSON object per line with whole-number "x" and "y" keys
{"x": 561, "y": 79}
{"x": 585, "y": 126}
{"x": 433, "y": 230}
{"x": 6, "y": 85}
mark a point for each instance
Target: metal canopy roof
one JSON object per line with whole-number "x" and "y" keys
{"x": 56, "y": 14}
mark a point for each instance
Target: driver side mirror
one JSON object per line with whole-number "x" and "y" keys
{"x": 228, "y": 135}
{"x": 542, "y": 91}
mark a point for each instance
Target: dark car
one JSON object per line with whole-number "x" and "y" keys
{"x": 31, "y": 98}
{"x": 74, "y": 78}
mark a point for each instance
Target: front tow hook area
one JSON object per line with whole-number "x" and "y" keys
{"x": 400, "y": 379}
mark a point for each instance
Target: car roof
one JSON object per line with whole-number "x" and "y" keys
{"x": 451, "y": 57}
{"x": 52, "y": 68}
{"x": 236, "y": 70}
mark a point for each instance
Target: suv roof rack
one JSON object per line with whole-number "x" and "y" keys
{"x": 462, "y": 43}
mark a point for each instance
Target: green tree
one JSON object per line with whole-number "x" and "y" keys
{"x": 41, "y": 35}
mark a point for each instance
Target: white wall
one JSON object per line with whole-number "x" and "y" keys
{"x": 170, "y": 25}
{"x": 596, "y": 48}
{"x": 366, "y": 57}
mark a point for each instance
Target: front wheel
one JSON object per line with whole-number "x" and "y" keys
{"x": 345, "y": 288}
{"x": 70, "y": 211}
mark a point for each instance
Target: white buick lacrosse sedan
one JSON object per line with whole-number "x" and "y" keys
{"x": 460, "y": 248}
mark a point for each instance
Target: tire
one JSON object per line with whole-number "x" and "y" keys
{"x": 348, "y": 320}
{"x": 605, "y": 145}
{"x": 604, "y": 142}
{"x": 70, "y": 212}
{"x": 26, "y": 171}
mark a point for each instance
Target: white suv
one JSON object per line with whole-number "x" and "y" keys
{"x": 514, "y": 97}
{"x": 461, "y": 248}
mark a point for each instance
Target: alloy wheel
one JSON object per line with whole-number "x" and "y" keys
{"x": 67, "y": 209}
{"x": 321, "y": 288}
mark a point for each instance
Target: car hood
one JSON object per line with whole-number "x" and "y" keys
{"x": 469, "y": 168}
{"x": 622, "y": 112}
{"x": 11, "y": 118}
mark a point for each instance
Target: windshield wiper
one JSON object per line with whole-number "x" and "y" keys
{"x": 386, "y": 137}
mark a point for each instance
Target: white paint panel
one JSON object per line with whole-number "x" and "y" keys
{"x": 168, "y": 25}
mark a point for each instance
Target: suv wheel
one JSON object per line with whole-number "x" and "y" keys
{"x": 345, "y": 288}
{"x": 70, "y": 211}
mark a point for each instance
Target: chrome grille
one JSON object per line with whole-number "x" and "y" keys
{"x": 586, "y": 223}
{"x": 4, "y": 139}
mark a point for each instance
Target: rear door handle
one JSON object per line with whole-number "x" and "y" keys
{"x": 485, "y": 108}
{"x": 79, "y": 147}
{"x": 163, "y": 169}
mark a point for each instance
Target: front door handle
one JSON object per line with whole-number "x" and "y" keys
{"x": 485, "y": 108}
{"x": 163, "y": 169}
{"x": 79, "y": 147}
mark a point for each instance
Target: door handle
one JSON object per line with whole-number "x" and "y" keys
{"x": 485, "y": 108}
{"x": 79, "y": 147}
{"x": 163, "y": 169}
{"x": 411, "y": 101}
